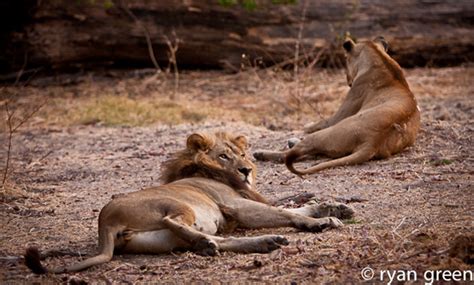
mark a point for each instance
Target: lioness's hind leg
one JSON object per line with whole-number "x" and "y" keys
{"x": 267, "y": 155}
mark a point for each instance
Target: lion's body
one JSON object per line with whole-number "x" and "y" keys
{"x": 209, "y": 189}
{"x": 378, "y": 118}
{"x": 192, "y": 200}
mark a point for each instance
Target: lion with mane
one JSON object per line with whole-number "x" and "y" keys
{"x": 209, "y": 188}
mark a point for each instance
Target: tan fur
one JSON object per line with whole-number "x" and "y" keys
{"x": 209, "y": 188}
{"x": 378, "y": 118}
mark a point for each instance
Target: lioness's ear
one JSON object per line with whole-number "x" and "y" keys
{"x": 348, "y": 44}
{"x": 241, "y": 142}
{"x": 198, "y": 142}
{"x": 381, "y": 41}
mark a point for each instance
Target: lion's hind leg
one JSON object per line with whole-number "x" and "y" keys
{"x": 199, "y": 242}
{"x": 258, "y": 244}
{"x": 205, "y": 244}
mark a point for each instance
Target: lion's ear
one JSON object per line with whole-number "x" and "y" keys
{"x": 348, "y": 44}
{"x": 198, "y": 142}
{"x": 381, "y": 41}
{"x": 241, "y": 141}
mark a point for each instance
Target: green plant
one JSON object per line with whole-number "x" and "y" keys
{"x": 352, "y": 222}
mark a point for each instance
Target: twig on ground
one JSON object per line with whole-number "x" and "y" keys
{"x": 300, "y": 198}
{"x": 394, "y": 230}
{"x": 35, "y": 162}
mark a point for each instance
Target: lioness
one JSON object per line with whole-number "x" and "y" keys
{"x": 379, "y": 116}
{"x": 209, "y": 188}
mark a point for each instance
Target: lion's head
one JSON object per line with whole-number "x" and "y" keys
{"x": 218, "y": 156}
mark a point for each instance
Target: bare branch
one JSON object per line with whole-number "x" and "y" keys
{"x": 11, "y": 130}
{"x": 9, "y": 146}
{"x": 299, "y": 39}
{"x": 28, "y": 116}
{"x": 20, "y": 73}
{"x": 173, "y": 49}
{"x": 124, "y": 6}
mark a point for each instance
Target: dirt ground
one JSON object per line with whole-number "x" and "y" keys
{"x": 74, "y": 154}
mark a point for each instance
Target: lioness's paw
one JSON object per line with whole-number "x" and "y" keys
{"x": 333, "y": 209}
{"x": 292, "y": 142}
{"x": 205, "y": 247}
{"x": 264, "y": 155}
{"x": 259, "y": 155}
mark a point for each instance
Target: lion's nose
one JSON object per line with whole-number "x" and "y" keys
{"x": 245, "y": 171}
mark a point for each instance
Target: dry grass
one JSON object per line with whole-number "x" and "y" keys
{"x": 120, "y": 110}
{"x": 265, "y": 97}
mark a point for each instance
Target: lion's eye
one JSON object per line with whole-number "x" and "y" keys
{"x": 224, "y": 156}
{"x": 242, "y": 155}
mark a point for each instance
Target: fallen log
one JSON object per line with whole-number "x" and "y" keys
{"x": 80, "y": 34}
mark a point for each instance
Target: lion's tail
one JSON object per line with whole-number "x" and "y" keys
{"x": 106, "y": 249}
{"x": 359, "y": 156}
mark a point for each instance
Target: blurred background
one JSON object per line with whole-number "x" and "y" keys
{"x": 215, "y": 34}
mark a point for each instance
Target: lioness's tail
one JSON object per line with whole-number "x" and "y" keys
{"x": 359, "y": 156}
{"x": 106, "y": 249}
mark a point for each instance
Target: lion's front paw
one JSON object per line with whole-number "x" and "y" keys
{"x": 333, "y": 209}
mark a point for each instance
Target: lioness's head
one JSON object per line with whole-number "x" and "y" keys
{"x": 369, "y": 55}
{"x": 219, "y": 156}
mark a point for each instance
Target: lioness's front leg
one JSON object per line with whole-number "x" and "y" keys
{"x": 315, "y": 126}
{"x": 349, "y": 107}
{"x": 251, "y": 214}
